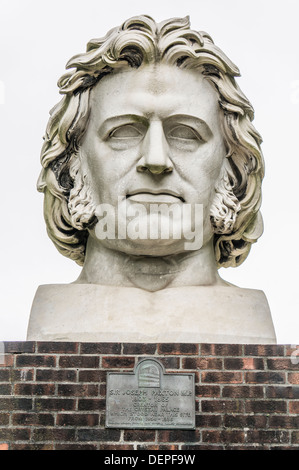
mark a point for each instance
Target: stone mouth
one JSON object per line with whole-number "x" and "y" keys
{"x": 147, "y": 195}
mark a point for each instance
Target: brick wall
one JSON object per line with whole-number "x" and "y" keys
{"x": 52, "y": 396}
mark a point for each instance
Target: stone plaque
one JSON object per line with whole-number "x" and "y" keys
{"x": 150, "y": 398}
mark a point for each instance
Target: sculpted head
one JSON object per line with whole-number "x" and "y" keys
{"x": 171, "y": 65}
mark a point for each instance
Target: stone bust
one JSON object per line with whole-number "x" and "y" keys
{"x": 152, "y": 132}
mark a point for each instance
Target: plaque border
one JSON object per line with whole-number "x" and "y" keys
{"x": 149, "y": 426}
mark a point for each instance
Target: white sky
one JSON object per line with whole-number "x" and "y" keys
{"x": 37, "y": 38}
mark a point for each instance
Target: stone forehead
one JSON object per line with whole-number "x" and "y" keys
{"x": 157, "y": 78}
{"x": 172, "y": 90}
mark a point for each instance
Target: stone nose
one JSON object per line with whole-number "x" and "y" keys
{"x": 155, "y": 151}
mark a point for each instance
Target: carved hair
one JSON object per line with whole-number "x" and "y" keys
{"x": 68, "y": 208}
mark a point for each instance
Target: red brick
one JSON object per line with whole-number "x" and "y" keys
{"x": 95, "y": 434}
{"x": 214, "y": 436}
{"x": 54, "y": 404}
{"x": 92, "y": 375}
{"x": 14, "y": 434}
{"x": 139, "y": 435}
{"x": 5, "y": 389}
{"x": 170, "y": 362}
{"x": 91, "y": 404}
{"x": 34, "y": 389}
{"x": 157, "y": 447}
{"x": 56, "y": 375}
{"x": 292, "y": 350}
{"x": 178, "y": 348}
{"x": 196, "y": 447}
{"x": 25, "y": 374}
{"x": 222, "y": 406}
{"x": 293, "y": 378}
{"x": 15, "y": 404}
{"x": 207, "y": 349}
{"x": 266, "y": 436}
{"x": 57, "y": 347}
{"x": 77, "y": 390}
{"x": 282, "y": 391}
{"x": 279, "y": 363}
{"x": 6, "y": 360}
{"x": 33, "y": 360}
{"x": 75, "y": 446}
{"x": 100, "y": 348}
{"x": 4, "y": 419}
{"x": 242, "y": 391}
{"x": 175, "y": 435}
{"x": 32, "y": 446}
{"x": 32, "y": 419}
{"x": 202, "y": 363}
{"x": 263, "y": 350}
{"x": 196, "y": 376}
{"x": 222, "y": 377}
{"x": 140, "y": 348}
{"x": 4, "y": 375}
{"x": 295, "y": 437}
{"x": 80, "y": 362}
{"x": 246, "y": 446}
{"x": 294, "y": 407}
{"x": 118, "y": 362}
{"x": 19, "y": 346}
{"x": 265, "y": 377}
{"x": 77, "y": 419}
{"x": 209, "y": 420}
{"x": 53, "y": 434}
{"x": 284, "y": 422}
{"x": 102, "y": 390}
{"x": 284, "y": 447}
{"x": 265, "y": 406}
{"x": 244, "y": 421}
{"x": 102, "y": 421}
{"x": 236, "y": 363}
{"x": 3, "y": 446}
{"x": 212, "y": 391}
{"x": 116, "y": 447}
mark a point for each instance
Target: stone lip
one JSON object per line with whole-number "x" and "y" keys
{"x": 210, "y": 314}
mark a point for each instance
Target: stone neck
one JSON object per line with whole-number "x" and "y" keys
{"x": 104, "y": 266}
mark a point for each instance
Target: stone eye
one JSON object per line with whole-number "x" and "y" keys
{"x": 183, "y": 132}
{"x": 127, "y": 131}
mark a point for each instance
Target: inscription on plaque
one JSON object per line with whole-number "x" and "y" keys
{"x": 150, "y": 398}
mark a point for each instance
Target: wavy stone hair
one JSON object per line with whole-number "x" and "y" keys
{"x": 68, "y": 207}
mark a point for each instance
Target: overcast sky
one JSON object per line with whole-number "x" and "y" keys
{"x": 37, "y": 38}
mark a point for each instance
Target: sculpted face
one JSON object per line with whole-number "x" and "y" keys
{"x": 154, "y": 137}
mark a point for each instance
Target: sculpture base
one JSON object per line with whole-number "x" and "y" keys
{"x": 209, "y": 314}
{"x": 54, "y": 397}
